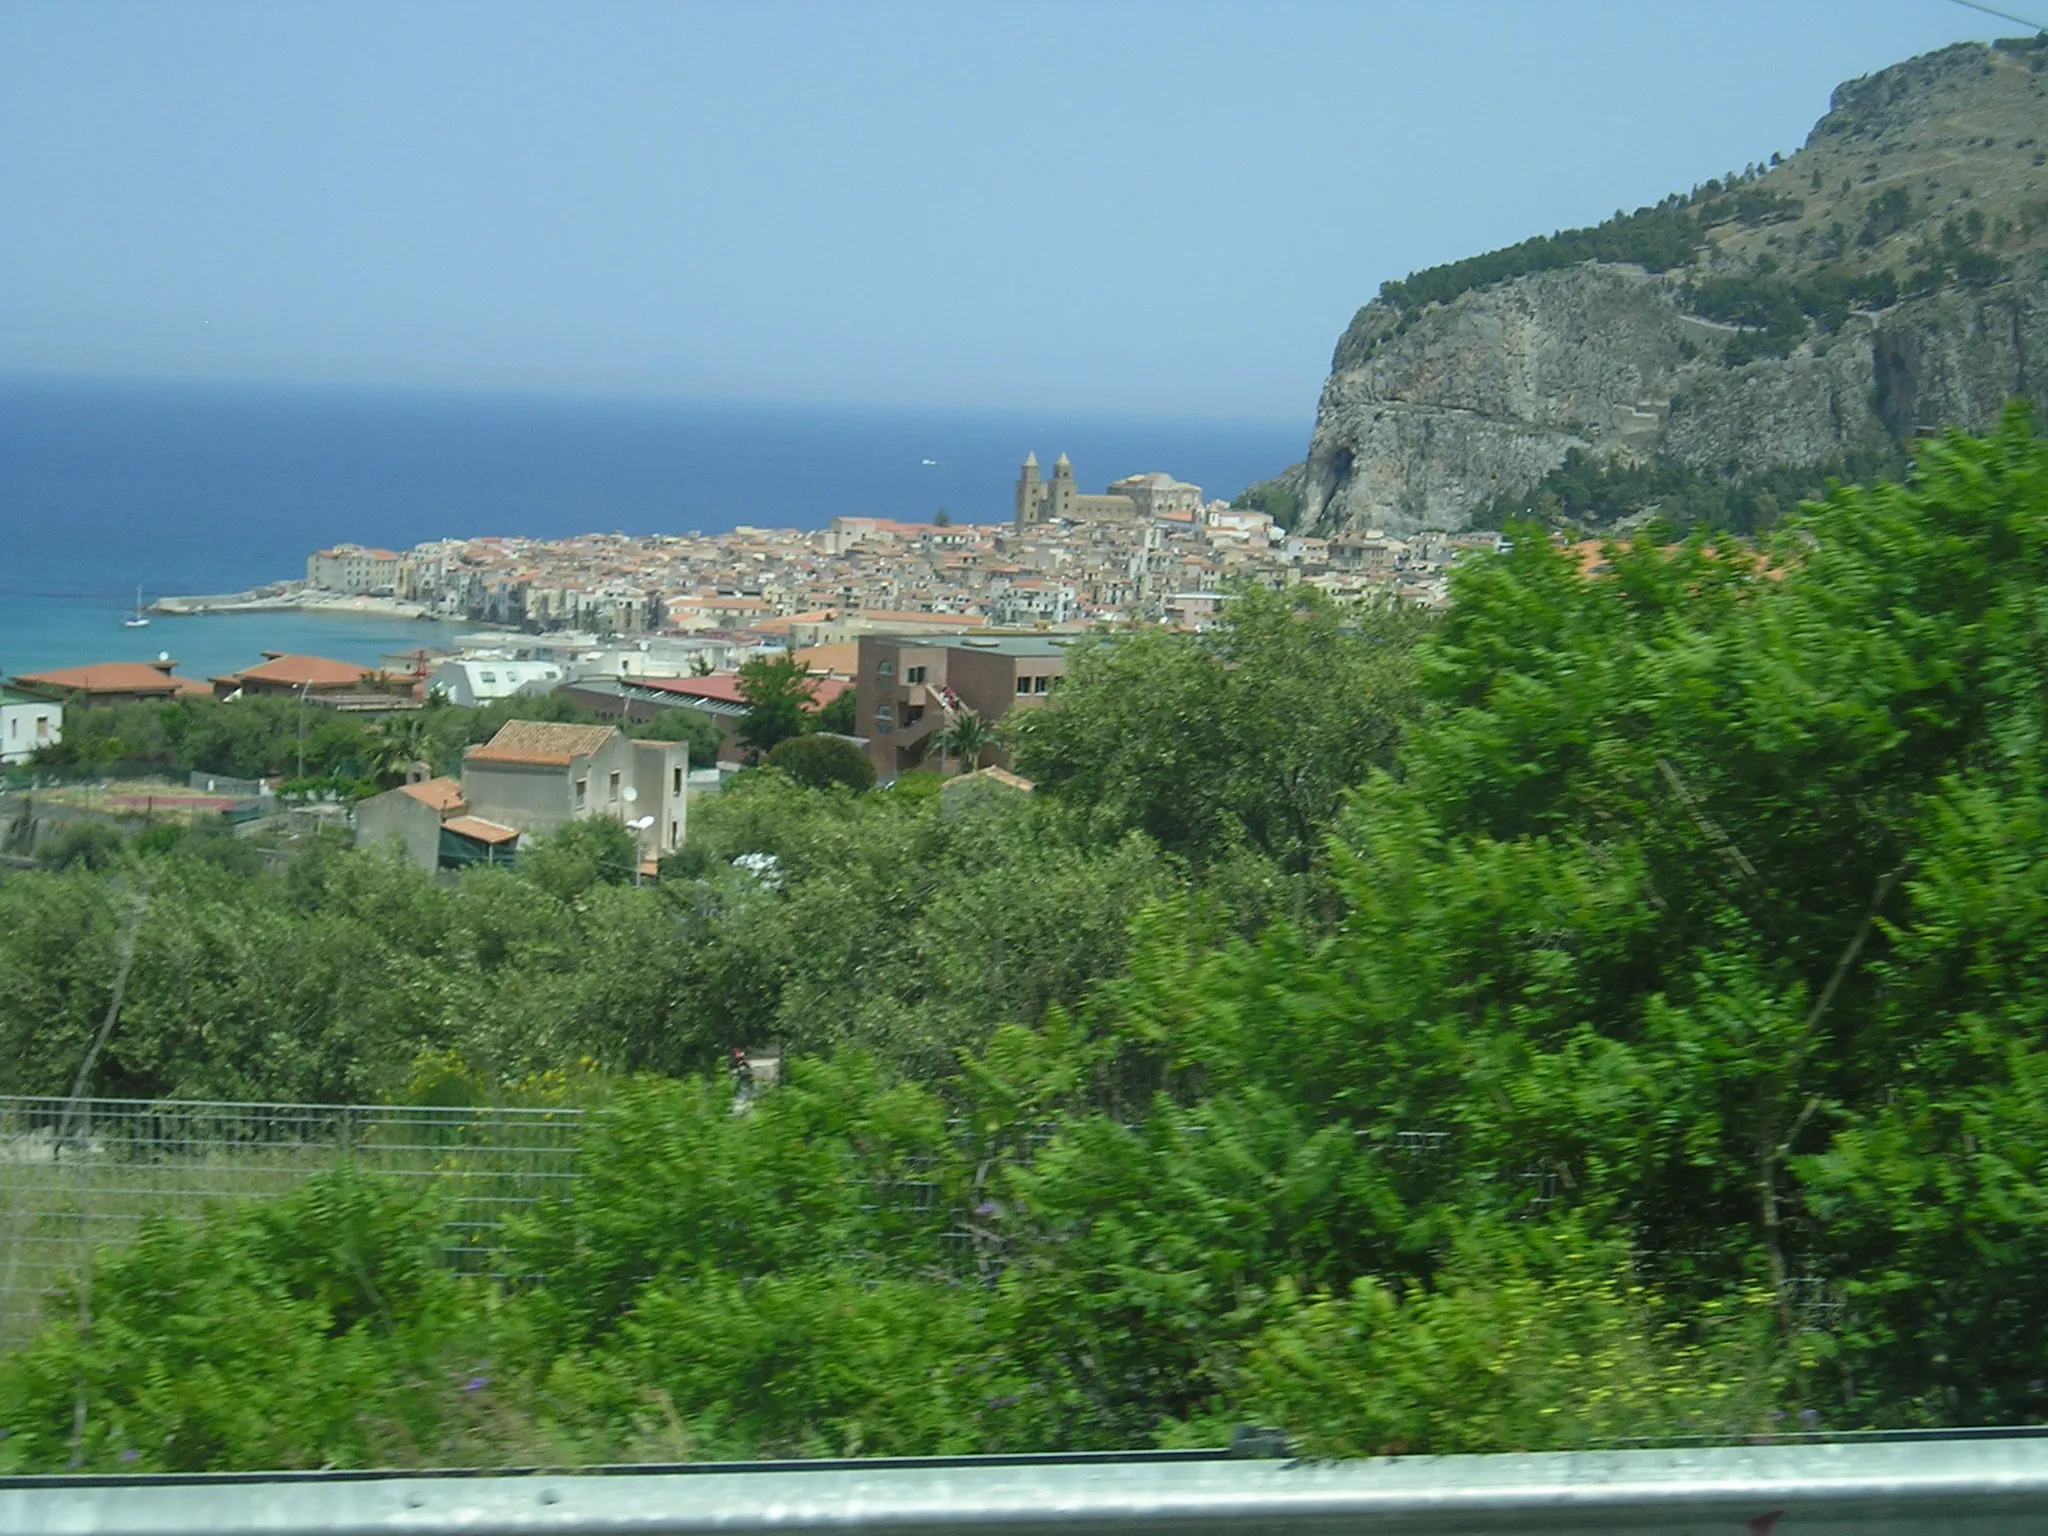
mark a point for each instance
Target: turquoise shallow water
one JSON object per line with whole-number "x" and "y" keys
{"x": 47, "y": 631}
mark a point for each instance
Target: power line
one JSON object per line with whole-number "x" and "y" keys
{"x": 2002, "y": 15}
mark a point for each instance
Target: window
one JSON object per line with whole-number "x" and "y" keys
{"x": 615, "y": 786}
{"x": 42, "y": 727}
{"x": 1023, "y": 685}
{"x": 913, "y": 674}
{"x": 885, "y": 720}
{"x": 885, "y": 669}
{"x": 487, "y": 677}
{"x": 1038, "y": 685}
{"x": 677, "y": 790}
{"x": 582, "y": 792}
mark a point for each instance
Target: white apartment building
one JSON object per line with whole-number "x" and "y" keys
{"x": 27, "y": 724}
{"x": 473, "y": 680}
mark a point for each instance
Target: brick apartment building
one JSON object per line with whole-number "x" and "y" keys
{"x": 908, "y": 686}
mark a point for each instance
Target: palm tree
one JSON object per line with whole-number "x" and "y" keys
{"x": 402, "y": 740}
{"x": 967, "y": 738}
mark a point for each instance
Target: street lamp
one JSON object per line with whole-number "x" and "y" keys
{"x": 638, "y": 827}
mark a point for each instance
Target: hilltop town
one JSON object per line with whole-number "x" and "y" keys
{"x": 1150, "y": 549}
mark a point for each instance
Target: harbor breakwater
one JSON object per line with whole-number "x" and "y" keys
{"x": 291, "y": 597}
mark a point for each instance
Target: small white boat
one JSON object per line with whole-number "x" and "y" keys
{"x": 138, "y": 622}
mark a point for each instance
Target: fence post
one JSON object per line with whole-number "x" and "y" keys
{"x": 84, "y": 1282}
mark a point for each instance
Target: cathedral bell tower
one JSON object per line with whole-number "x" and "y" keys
{"x": 1027, "y": 492}
{"x": 1060, "y": 501}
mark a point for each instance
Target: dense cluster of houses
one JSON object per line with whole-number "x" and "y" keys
{"x": 927, "y": 625}
{"x": 1148, "y": 550}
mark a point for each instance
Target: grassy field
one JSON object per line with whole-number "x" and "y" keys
{"x": 156, "y": 799}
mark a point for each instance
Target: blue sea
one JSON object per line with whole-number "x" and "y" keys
{"x": 200, "y": 488}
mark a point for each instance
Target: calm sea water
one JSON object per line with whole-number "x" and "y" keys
{"x": 180, "y": 489}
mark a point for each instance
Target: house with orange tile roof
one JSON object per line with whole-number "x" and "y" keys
{"x": 110, "y": 682}
{"x": 411, "y": 815}
{"x": 280, "y": 672}
{"x": 535, "y": 775}
{"x": 443, "y": 794}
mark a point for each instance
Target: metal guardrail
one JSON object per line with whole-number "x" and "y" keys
{"x": 1976, "y": 1486}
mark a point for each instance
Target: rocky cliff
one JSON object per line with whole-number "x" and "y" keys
{"x": 1889, "y": 279}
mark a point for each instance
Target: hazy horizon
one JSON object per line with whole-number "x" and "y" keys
{"x": 1143, "y": 210}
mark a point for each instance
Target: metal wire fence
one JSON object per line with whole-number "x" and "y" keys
{"x": 81, "y": 1174}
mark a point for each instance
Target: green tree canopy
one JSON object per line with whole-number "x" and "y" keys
{"x": 778, "y": 692}
{"x": 1247, "y": 734}
{"x": 840, "y": 716}
{"x": 682, "y": 724}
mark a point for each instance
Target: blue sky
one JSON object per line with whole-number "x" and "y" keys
{"x": 1169, "y": 208}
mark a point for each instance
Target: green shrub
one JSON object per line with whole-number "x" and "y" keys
{"x": 823, "y": 762}
{"x": 83, "y": 845}
{"x": 320, "y": 1330}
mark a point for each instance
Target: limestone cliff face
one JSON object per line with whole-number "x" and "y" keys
{"x": 1430, "y": 414}
{"x": 1488, "y": 394}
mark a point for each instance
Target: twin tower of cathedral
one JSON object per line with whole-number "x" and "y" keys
{"x": 1133, "y": 499}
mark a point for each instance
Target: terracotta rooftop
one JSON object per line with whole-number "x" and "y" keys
{"x": 541, "y": 742}
{"x": 839, "y": 658}
{"x": 109, "y": 677}
{"x": 483, "y": 831}
{"x": 782, "y": 626}
{"x": 1001, "y": 776}
{"x": 298, "y": 671}
{"x": 444, "y": 795}
{"x": 943, "y": 620}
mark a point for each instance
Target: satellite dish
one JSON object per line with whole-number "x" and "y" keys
{"x": 632, "y": 794}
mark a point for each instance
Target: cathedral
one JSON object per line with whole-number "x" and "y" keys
{"x": 1134, "y": 499}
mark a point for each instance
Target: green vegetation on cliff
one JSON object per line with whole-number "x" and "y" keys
{"x": 1586, "y": 493}
{"x": 1279, "y": 498}
{"x": 1887, "y": 281}
{"x": 1802, "y": 214}
{"x": 1656, "y": 239}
